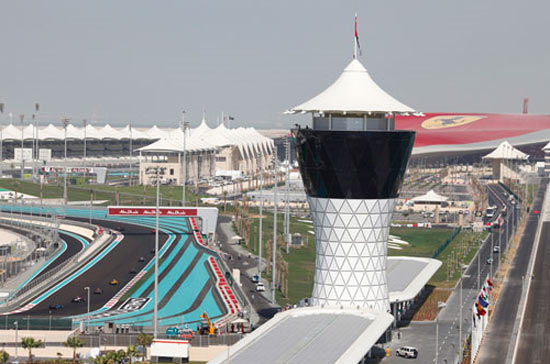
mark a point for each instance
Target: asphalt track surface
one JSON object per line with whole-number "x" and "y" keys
{"x": 74, "y": 246}
{"x": 494, "y": 347}
{"x": 534, "y": 343}
{"x": 138, "y": 242}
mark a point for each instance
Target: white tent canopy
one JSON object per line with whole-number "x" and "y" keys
{"x": 247, "y": 140}
{"x": 430, "y": 196}
{"x": 506, "y": 150}
{"x": 353, "y": 91}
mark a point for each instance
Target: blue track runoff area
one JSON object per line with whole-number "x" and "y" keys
{"x": 186, "y": 285}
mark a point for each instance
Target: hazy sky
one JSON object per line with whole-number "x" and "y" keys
{"x": 145, "y": 61}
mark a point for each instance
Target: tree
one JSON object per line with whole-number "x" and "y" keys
{"x": 4, "y": 356}
{"x": 130, "y": 352}
{"x": 144, "y": 340}
{"x": 30, "y": 343}
{"x": 74, "y": 343}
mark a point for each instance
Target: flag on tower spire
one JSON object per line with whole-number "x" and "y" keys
{"x": 357, "y": 46}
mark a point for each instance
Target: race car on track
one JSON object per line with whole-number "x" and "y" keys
{"x": 141, "y": 259}
{"x": 78, "y": 299}
{"x": 113, "y": 282}
{"x": 133, "y": 271}
{"x": 56, "y": 306}
{"x": 98, "y": 291}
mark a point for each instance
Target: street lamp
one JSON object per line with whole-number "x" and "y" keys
{"x": 184, "y": 126}
{"x": 440, "y": 305}
{"x": 22, "y": 118}
{"x": 84, "y": 124}
{"x": 88, "y": 314}
{"x": 261, "y": 218}
{"x": 155, "y": 312}
{"x": 130, "y": 161}
{"x": 16, "y": 333}
{"x": 274, "y": 248}
{"x": 460, "y": 320}
{"x": 65, "y": 124}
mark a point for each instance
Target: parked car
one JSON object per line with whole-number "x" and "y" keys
{"x": 496, "y": 249}
{"x": 489, "y": 261}
{"x": 260, "y": 287}
{"x": 255, "y": 278}
{"x": 407, "y": 352}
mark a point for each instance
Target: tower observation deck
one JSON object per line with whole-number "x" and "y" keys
{"x": 352, "y": 162}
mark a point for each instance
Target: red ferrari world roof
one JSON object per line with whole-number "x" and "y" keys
{"x": 454, "y": 132}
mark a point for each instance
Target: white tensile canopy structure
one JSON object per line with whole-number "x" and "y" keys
{"x": 430, "y": 197}
{"x": 247, "y": 140}
{"x": 353, "y": 92}
{"x": 506, "y": 150}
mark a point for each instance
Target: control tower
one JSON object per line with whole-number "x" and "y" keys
{"x": 352, "y": 161}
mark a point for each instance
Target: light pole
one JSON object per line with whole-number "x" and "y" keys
{"x": 16, "y": 339}
{"x": 22, "y": 118}
{"x": 440, "y": 305}
{"x": 287, "y": 194}
{"x": 65, "y": 197}
{"x": 260, "y": 222}
{"x": 491, "y": 252}
{"x": 155, "y": 310}
{"x": 88, "y": 302}
{"x": 84, "y": 124}
{"x": 274, "y": 244}
{"x": 130, "y": 162}
{"x": 460, "y": 320}
{"x": 184, "y": 159}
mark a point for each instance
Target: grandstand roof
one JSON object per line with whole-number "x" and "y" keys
{"x": 311, "y": 335}
{"x": 248, "y": 140}
{"x": 408, "y": 275}
{"x": 353, "y": 91}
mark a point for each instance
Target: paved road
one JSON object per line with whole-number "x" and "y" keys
{"x": 534, "y": 339}
{"x": 495, "y": 345}
{"x": 247, "y": 265}
{"x": 422, "y": 335}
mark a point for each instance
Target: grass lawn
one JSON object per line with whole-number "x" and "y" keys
{"x": 129, "y": 195}
{"x": 423, "y": 243}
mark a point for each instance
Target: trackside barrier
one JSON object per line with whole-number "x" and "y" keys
{"x": 446, "y": 243}
{"x": 226, "y": 293}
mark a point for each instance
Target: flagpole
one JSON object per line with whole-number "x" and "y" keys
{"x": 355, "y": 39}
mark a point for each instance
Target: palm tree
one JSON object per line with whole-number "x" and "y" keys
{"x": 30, "y": 343}
{"x": 75, "y": 343}
{"x": 4, "y": 356}
{"x": 131, "y": 351}
{"x": 144, "y": 340}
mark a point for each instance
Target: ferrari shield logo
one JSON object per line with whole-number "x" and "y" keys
{"x": 449, "y": 121}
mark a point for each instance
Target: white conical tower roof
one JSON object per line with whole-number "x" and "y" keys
{"x": 353, "y": 91}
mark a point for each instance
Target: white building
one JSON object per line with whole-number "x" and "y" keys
{"x": 207, "y": 150}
